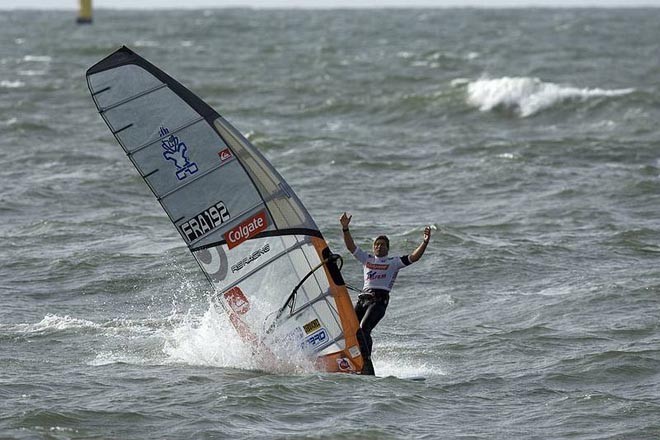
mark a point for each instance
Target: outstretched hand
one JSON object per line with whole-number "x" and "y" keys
{"x": 345, "y": 220}
{"x": 427, "y": 234}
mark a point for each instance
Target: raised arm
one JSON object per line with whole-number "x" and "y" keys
{"x": 417, "y": 253}
{"x": 345, "y": 220}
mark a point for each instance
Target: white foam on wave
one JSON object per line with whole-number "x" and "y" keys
{"x": 11, "y": 84}
{"x": 38, "y": 58}
{"x": 208, "y": 340}
{"x": 146, "y": 43}
{"x": 528, "y": 96}
{"x": 54, "y": 323}
{"x": 394, "y": 358}
{"x": 112, "y": 357}
{"x": 31, "y": 72}
{"x": 200, "y": 337}
{"x": 392, "y": 365}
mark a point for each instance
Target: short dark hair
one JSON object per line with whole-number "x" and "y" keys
{"x": 384, "y": 238}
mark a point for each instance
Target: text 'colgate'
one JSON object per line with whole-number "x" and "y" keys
{"x": 246, "y": 230}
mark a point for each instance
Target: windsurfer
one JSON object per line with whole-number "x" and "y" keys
{"x": 380, "y": 272}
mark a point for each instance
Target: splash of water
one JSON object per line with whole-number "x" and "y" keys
{"x": 212, "y": 341}
{"x": 208, "y": 340}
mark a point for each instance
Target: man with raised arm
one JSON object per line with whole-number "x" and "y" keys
{"x": 380, "y": 272}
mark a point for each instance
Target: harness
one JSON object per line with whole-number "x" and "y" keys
{"x": 374, "y": 295}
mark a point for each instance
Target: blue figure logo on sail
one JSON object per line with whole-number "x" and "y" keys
{"x": 177, "y": 152}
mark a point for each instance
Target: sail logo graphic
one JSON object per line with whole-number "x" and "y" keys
{"x": 246, "y": 230}
{"x": 318, "y": 338}
{"x": 213, "y": 262}
{"x": 177, "y": 152}
{"x": 312, "y": 326}
{"x": 250, "y": 258}
{"x": 225, "y": 155}
{"x": 237, "y": 300}
{"x": 345, "y": 365}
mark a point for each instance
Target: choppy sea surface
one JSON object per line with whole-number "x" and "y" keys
{"x": 528, "y": 138}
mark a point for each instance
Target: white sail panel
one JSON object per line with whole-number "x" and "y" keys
{"x": 133, "y": 80}
{"x": 284, "y": 206}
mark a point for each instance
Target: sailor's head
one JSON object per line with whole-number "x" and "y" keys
{"x": 381, "y": 246}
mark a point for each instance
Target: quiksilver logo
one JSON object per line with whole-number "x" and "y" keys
{"x": 225, "y": 155}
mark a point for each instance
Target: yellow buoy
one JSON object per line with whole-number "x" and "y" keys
{"x": 85, "y": 12}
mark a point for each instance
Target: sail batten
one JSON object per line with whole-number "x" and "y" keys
{"x": 98, "y": 92}
{"x": 126, "y": 127}
{"x": 174, "y": 131}
{"x": 131, "y": 98}
{"x": 299, "y": 231}
{"x": 250, "y": 234}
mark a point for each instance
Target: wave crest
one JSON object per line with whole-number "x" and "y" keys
{"x": 528, "y": 96}
{"x": 55, "y": 323}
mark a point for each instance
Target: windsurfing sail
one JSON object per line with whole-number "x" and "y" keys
{"x": 271, "y": 268}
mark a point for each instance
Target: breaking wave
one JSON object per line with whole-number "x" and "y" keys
{"x": 54, "y": 323}
{"x": 528, "y": 96}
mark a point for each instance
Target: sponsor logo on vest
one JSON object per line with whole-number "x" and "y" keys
{"x": 375, "y": 266}
{"x": 237, "y": 300}
{"x": 373, "y": 275}
{"x": 205, "y": 222}
{"x": 246, "y": 230}
{"x": 225, "y": 155}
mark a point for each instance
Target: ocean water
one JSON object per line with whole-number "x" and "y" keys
{"x": 528, "y": 138}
